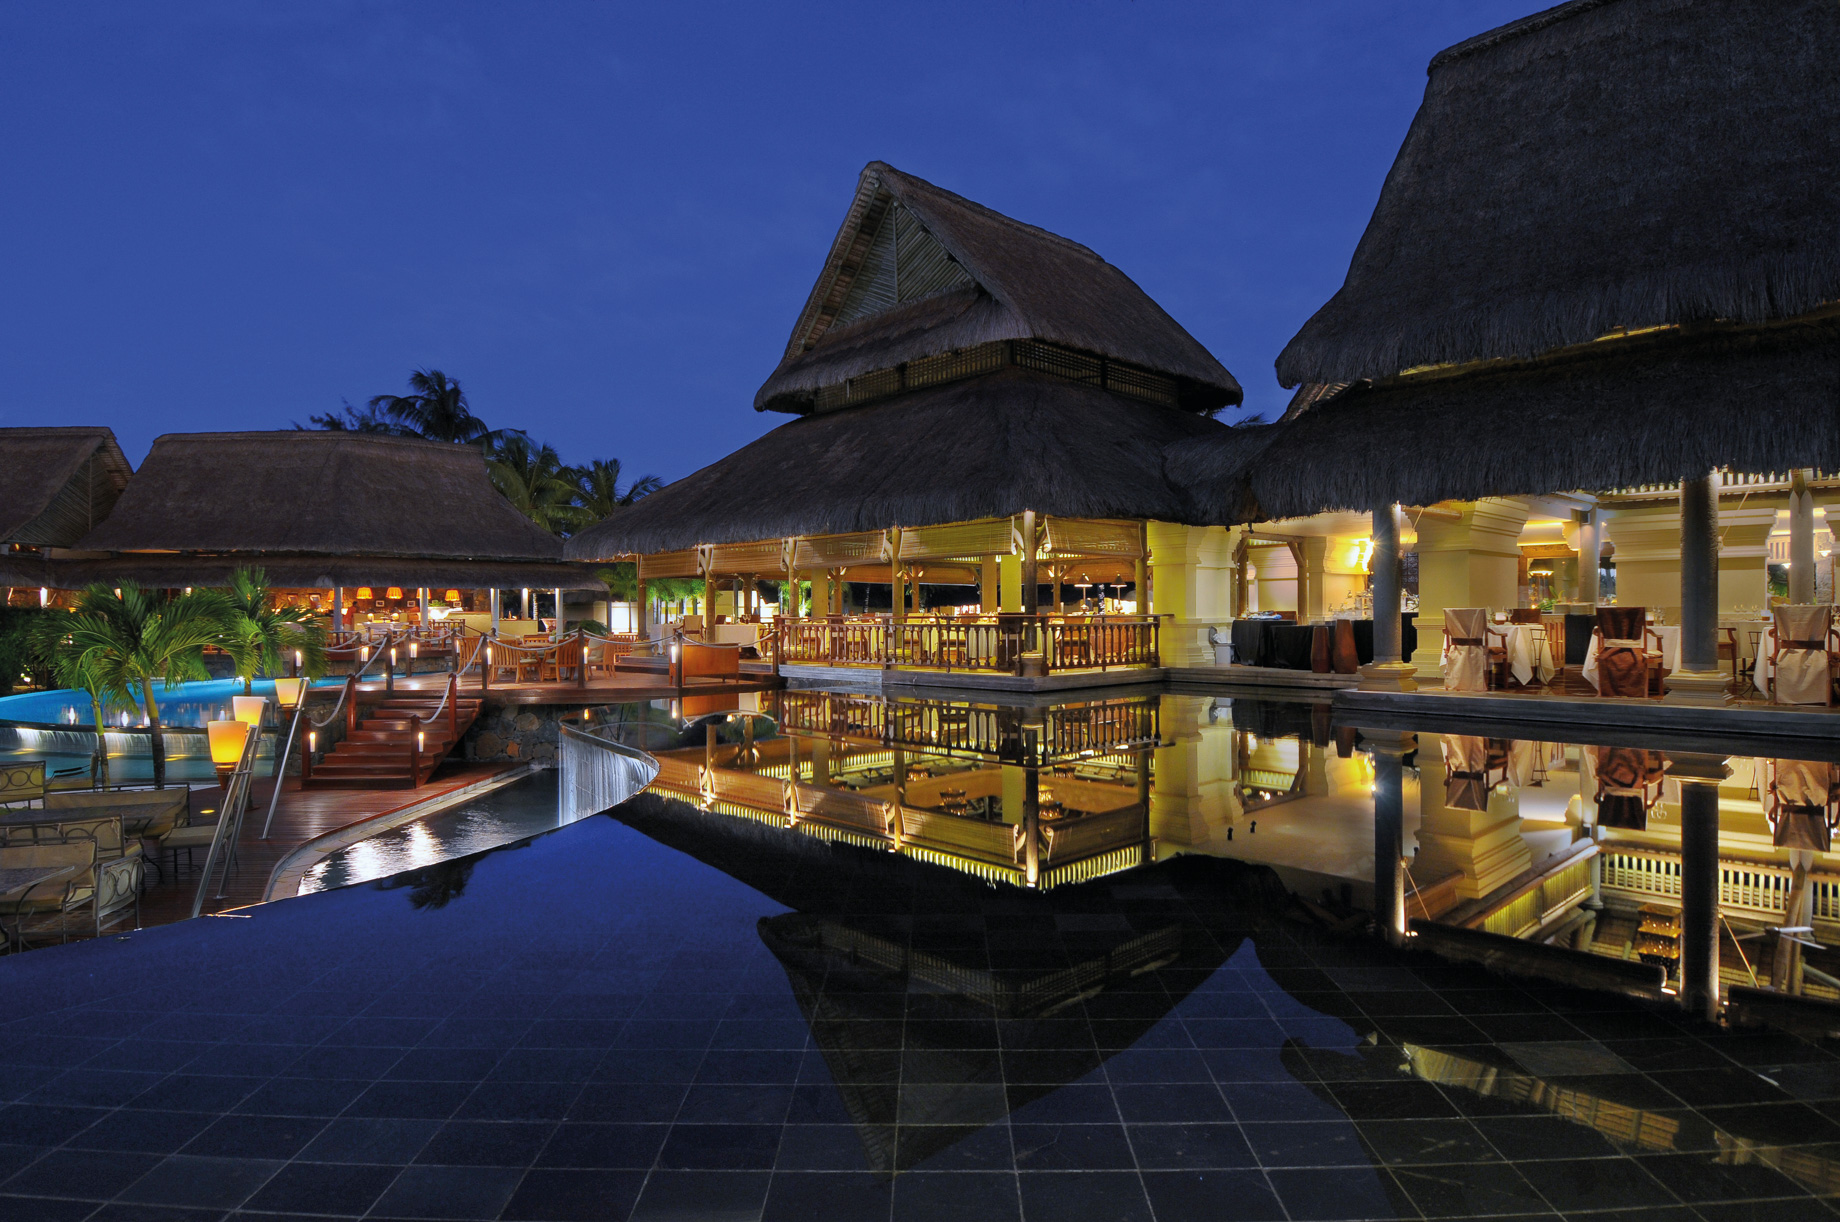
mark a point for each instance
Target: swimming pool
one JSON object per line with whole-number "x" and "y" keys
{"x": 191, "y": 704}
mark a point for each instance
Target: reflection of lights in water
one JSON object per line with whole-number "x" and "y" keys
{"x": 523, "y": 808}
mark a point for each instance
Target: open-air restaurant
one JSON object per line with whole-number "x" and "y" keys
{"x": 1003, "y": 788}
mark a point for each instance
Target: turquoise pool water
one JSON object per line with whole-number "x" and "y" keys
{"x": 192, "y": 704}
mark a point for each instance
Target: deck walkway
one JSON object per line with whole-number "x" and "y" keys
{"x": 300, "y": 817}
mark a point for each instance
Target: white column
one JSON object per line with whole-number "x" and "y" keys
{"x": 1801, "y": 539}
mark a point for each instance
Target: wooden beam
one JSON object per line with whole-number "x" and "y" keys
{"x": 1031, "y": 594}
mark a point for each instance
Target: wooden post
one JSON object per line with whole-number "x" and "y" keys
{"x": 453, "y": 709}
{"x": 989, "y": 600}
{"x": 485, "y": 666}
{"x": 1140, "y": 570}
{"x": 581, "y": 658}
{"x": 897, "y": 579}
{"x": 709, "y": 603}
{"x": 1031, "y": 576}
{"x": 351, "y": 704}
{"x": 645, "y": 614}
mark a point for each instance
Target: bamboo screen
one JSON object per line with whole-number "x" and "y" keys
{"x": 1083, "y": 537}
{"x": 763, "y": 556}
{"x": 670, "y": 564}
{"x": 967, "y": 540}
{"x": 841, "y": 551}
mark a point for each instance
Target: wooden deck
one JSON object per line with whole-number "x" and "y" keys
{"x": 300, "y": 817}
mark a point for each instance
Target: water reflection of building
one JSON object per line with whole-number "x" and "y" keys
{"x": 1031, "y": 796}
{"x": 936, "y": 1026}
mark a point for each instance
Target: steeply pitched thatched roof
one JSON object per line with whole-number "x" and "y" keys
{"x": 987, "y": 447}
{"x": 319, "y": 493}
{"x": 917, "y": 271}
{"x": 56, "y": 484}
{"x": 1605, "y": 164}
{"x": 1606, "y": 417}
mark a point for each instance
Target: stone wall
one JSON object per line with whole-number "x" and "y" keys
{"x": 523, "y": 732}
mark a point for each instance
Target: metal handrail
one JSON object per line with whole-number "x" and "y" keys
{"x": 229, "y": 821}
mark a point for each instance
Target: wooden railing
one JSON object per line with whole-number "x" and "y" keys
{"x": 1753, "y": 888}
{"x": 984, "y": 731}
{"x": 1746, "y": 481}
{"x": 1007, "y": 644}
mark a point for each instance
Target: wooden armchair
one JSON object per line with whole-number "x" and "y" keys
{"x": 1626, "y": 666}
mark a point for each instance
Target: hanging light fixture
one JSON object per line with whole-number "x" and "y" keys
{"x": 453, "y": 596}
{"x": 394, "y": 592}
{"x": 364, "y": 592}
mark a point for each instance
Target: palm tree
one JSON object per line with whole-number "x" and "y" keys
{"x": 52, "y": 646}
{"x": 598, "y": 492}
{"x": 531, "y": 477}
{"x": 436, "y": 409}
{"x": 132, "y": 638}
{"x": 349, "y": 419}
{"x": 259, "y": 636}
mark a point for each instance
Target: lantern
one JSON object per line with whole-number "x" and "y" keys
{"x": 364, "y": 592}
{"x": 453, "y": 596}
{"x": 289, "y": 691}
{"x": 248, "y": 709}
{"x": 394, "y": 592}
{"x": 228, "y": 739}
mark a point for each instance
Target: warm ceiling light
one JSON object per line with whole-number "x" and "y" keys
{"x": 364, "y": 592}
{"x": 393, "y": 592}
{"x": 453, "y": 596}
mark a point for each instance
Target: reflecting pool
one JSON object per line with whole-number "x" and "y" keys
{"x": 866, "y": 958}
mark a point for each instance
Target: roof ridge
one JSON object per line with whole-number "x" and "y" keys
{"x": 1519, "y": 27}
{"x": 983, "y": 209}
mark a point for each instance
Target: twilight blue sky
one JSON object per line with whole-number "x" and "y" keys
{"x": 603, "y": 218}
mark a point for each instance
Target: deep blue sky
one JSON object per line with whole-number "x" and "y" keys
{"x": 604, "y": 218}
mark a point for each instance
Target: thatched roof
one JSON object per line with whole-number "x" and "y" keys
{"x": 298, "y": 572}
{"x": 987, "y": 447}
{"x": 1631, "y": 413}
{"x": 56, "y": 484}
{"x": 318, "y": 493}
{"x": 1605, "y": 164}
{"x": 917, "y": 271}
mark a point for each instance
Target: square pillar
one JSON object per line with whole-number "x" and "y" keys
{"x": 1310, "y": 579}
{"x": 1191, "y": 582}
{"x": 988, "y": 582}
{"x": 1485, "y": 847}
{"x": 1009, "y": 581}
{"x": 1473, "y": 561}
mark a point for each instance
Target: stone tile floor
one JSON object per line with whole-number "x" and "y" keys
{"x": 713, "y": 1020}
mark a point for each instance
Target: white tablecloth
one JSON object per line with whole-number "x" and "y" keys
{"x": 1670, "y": 652}
{"x": 1529, "y": 654}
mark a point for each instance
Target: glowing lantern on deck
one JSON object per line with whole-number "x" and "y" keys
{"x": 248, "y": 709}
{"x": 227, "y": 741}
{"x": 289, "y": 691}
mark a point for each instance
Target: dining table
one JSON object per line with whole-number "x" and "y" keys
{"x": 1529, "y": 654}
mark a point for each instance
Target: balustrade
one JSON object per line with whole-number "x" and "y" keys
{"x": 986, "y": 644}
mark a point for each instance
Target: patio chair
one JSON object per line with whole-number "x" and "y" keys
{"x": 1801, "y": 799}
{"x": 1804, "y": 656}
{"x": 1470, "y": 658}
{"x": 23, "y": 781}
{"x": 1626, "y": 666}
{"x": 108, "y": 890}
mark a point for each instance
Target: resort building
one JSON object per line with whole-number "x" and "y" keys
{"x": 56, "y": 485}
{"x": 362, "y": 528}
{"x": 982, "y": 410}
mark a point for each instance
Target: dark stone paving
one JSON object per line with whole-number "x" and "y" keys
{"x": 599, "y": 1026}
